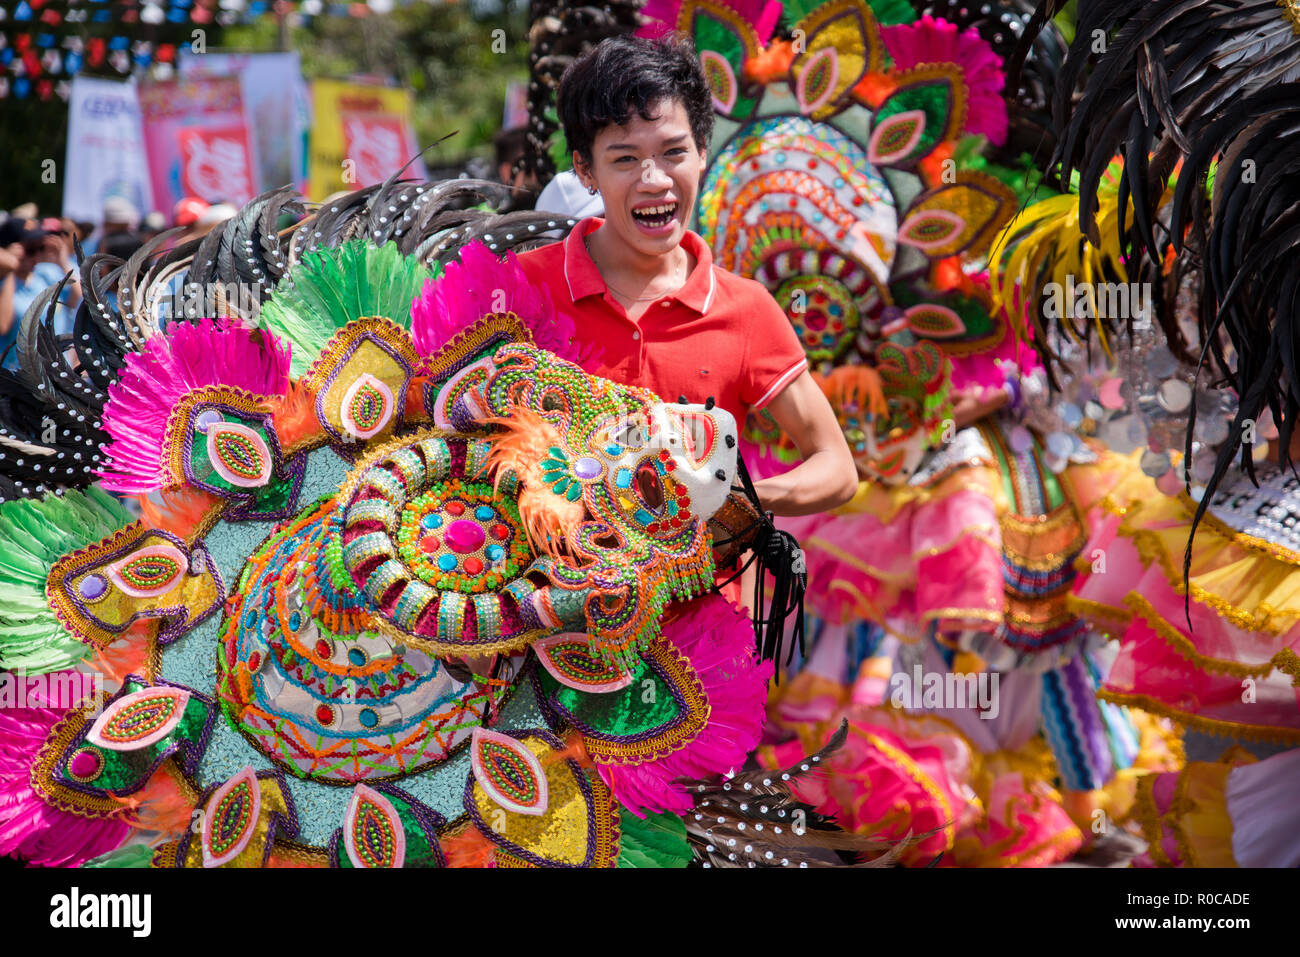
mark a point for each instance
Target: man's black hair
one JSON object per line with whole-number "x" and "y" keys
{"x": 625, "y": 73}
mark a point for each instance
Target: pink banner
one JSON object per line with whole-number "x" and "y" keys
{"x": 197, "y": 141}
{"x": 377, "y": 143}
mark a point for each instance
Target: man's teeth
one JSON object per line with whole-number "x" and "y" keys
{"x": 656, "y": 214}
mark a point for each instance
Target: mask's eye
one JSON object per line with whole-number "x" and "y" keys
{"x": 628, "y": 434}
{"x": 903, "y": 413}
{"x": 150, "y": 571}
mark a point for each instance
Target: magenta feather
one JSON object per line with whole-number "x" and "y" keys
{"x": 30, "y": 829}
{"x": 930, "y": 40}
{"x": 718, "y": 640}
{"x": 481, "y": 285}
{"x": 189, "y": 356}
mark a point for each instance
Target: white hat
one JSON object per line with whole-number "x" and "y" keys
{"x": 216, "y": 213}
{"x": 566, "y": 195}
{"x": 119, "y": 211}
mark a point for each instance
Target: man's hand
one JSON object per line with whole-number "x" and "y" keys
{"x": 969, "y": 409}
{"x": 54, "y": 249}
{"x": 10, "y": 258}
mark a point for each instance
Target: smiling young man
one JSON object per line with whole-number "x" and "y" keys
{"x": 638, "y": 116}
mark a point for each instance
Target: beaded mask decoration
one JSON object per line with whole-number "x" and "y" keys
{"x": 452, "y": 589}
{"x": 843, "y": 177}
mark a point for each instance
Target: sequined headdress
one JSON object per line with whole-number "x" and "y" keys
{"x": 398, "y": 583}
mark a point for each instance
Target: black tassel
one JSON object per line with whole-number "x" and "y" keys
{"x": 777, "y": 552}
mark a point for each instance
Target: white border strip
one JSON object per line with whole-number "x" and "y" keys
{"x": 783, "y": 380}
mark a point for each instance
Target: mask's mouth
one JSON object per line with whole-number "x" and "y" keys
{"x": 656, "y": 216}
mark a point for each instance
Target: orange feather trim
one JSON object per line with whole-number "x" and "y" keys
{"x": 947, "y": 275}
{"x": 179, "y": 512}
{"x": 160, "y": 807}
{"x": 874, "y": 88}
{"x": 295, "y": 417}
{"x": 856, "y": 385}
{"x": 547, "y": 517}
{"x": 771, "y": 64}
{"x": 469, "y": 848}
{"x": 127, "y": 655}
{"x": 931, "y": 166}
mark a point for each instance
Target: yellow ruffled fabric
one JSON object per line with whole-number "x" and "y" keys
{"x": 1248, "y": 581}
{"x": 1160, "y": 750}
{"x": 1197, "y": 818}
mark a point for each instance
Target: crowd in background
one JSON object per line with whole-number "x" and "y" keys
{"x": 38, "y": 251}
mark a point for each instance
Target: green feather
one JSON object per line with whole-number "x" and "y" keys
{"x": 34, "y": 534}
{"x": 133, "y": 855}
{"x": 331, "y": 287}
{"x": 658, "y": 840}
{"x": 888, "y": 12}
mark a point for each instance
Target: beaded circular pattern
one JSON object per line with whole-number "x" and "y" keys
{"x": 462, "y": 536}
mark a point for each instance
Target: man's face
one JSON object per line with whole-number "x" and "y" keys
{"x": 648, "y": 173}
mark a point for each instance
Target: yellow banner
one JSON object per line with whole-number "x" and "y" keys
{"x": 360, "y": 135}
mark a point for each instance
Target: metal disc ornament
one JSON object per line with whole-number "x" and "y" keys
{"x": 1155, "y": 464}
{"x": 1174, "y": 396}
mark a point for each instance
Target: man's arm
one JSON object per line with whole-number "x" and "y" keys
{"x": 9, "y": 259}
{"x": 827, "y": 477}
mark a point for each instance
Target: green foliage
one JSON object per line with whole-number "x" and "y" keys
{"x": 657, "y": 840}
{"x": 1066, "y": 19}
{"x": 444, "y": 52}
{"x": 1022, "y": 176}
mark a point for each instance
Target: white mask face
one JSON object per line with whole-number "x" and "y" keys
{"x": 671, "y": 466}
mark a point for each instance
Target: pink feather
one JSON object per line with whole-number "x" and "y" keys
{"x": 187, "y": 357}
{"x": 760, "y": 14}
{"x": 30, "y": 829}
{"x": 929, "y": 40}
{"x": 718, "y": 640}
{"x": 481, "y": 285}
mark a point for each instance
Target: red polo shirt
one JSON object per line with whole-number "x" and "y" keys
{"x": 719, "y": 335}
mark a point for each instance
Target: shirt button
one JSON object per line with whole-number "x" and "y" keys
{"x": 636, "y": 335}
{"x": 665, "y": 303}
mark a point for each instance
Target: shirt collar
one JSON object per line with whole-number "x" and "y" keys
{"x": 584, "y": 278}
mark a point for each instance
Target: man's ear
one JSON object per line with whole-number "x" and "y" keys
{"x": 582, "y": 168}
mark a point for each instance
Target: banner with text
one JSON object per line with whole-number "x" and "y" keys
{"x": 360, "y": 136}
{"x": 198, "y": 141}
{"x": 276, "y": 109}
{"x": 106, "y": 156}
